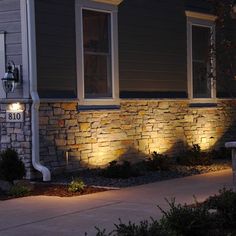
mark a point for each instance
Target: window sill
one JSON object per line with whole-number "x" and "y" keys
{"x": 98, "y": 107}
{"x": 99, "y": 102}
{"x": 203, "y": 105}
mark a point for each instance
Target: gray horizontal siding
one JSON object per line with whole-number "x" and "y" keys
{"x": 198, "y": 5}
{"x": 10, "y": 23}
{"x": 152, "y": 46}
{"x": 56, "y": 50}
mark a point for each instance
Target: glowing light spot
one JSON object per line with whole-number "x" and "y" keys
{"x": 15, "y": 107}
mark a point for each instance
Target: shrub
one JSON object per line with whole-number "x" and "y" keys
{"x": 158, "y": 162}
{"x": 184, "y": 220}
{"x": 222, "y": 153}
{"x": 123, "y": 170}
{"x": 11, "y": 167}
{"x": 76, "y": 185}
{"x": 144, "y": 228}
{"x": 194, "y": 156}
{"x": 19, "y": 191}
{"x": 225, "y": 206}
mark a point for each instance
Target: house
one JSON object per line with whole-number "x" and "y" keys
{"x": 109, "y": 79}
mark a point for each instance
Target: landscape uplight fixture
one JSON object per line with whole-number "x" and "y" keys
{"x": 11, "y": 78}
{"x": 233, "y": 12}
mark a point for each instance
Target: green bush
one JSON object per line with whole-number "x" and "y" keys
{"x": 19, "y": 191}
{"x": 215, "y": 217}
{"x": 122, "y": 171}
{"x": 194, "y": 156}
{"x": 11, "y": 167}
{"x": 225, "y": 206}
{"x": 187, "y": 220}
{"x": 222, "y": 154}
{"x": 144, "y": 228}
{"x": 158, "y": 162}
{"x": 76, "y": 185}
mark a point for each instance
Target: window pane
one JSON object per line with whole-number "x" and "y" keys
{"x": 96, "y": 31}
{"x": 97, "y": 55}
{"x": 201, "y": 37}
{"x": 95, "y": 76}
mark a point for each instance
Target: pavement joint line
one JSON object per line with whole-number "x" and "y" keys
{"x": 58, "y": 216}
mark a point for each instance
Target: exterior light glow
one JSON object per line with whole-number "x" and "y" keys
{"x": 15, "y": 107}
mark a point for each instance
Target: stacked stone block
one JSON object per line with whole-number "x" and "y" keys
{"x": 70, "y": 139}
{"x": 17, "y": 135}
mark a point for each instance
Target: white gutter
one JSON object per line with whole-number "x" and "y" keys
{"x": 33, "y": 91}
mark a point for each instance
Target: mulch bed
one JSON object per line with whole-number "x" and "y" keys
{"x": 59, "y": 190}
{"x": 93, "y": 178}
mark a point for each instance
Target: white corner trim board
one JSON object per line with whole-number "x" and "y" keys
{"x": 2, "y": 61}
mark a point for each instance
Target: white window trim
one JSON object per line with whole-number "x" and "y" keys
{"x": 202, "y": 20}
{"x": 2, "y": 61}
{"x": 112, "y": 9}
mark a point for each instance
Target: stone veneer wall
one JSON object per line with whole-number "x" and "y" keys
{"x": 17, "y": 135}
{"x": 94, "y": 138}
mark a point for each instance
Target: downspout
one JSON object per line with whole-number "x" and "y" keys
{"x": 33, "y": 91}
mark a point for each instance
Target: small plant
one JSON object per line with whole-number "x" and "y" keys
{"x": 19, "y": 191}
{"x": 123, "y": 170}
{"x": 194, "y": 156}
{"x": 76, "y": 185}
{"x": 11, "y": 167}
{"x": 225, "y": 206}
{"x": 158, "y": 162}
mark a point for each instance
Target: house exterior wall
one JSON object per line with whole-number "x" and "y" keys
{"x": 10, "y": 22}
{"x": 56, "y": 48}
{"x": 153, "y": 58}
{"x": 17, "y": 135}
{"x": 139, "y": 127}
{"x": 152, "y": 46}
{"x": 144, "y": 65}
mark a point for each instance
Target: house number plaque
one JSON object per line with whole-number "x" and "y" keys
{"x": 14, "y": 116}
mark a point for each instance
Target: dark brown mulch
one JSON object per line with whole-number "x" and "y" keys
{"x": 55, "y": 190}
{"x": 61, "y": 190}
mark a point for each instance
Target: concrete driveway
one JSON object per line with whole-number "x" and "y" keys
{"x": 48, "y": 216}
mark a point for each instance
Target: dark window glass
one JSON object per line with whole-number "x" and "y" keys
{"x": 201, "y": 38}
{"x": 97, "y": 54}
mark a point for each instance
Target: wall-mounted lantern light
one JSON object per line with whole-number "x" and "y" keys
{"x": 11, "y": 78}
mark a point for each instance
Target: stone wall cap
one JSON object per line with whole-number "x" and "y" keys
{"x": 230, "y": 144}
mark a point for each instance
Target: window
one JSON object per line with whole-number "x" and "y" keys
{"x": 201, "y": 61}
{"x": 97, "y": 53}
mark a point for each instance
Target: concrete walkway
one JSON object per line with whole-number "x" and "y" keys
{"x": 49, "y": 216}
